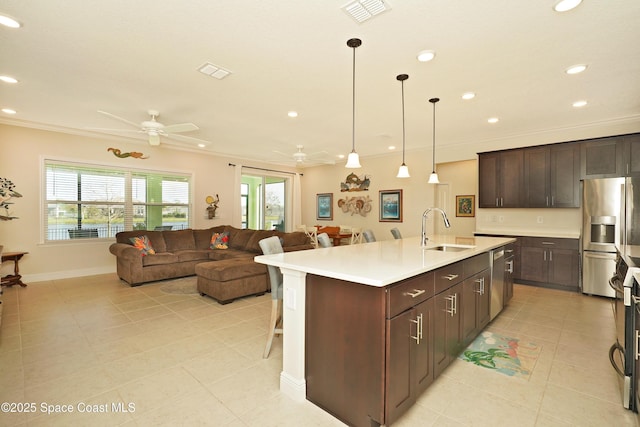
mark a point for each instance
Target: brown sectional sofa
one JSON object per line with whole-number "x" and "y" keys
{"x": 179, "y": 252}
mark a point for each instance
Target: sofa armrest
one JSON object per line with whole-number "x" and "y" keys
{"x": 126, "y": 252}
{"x": 298, "y": 248}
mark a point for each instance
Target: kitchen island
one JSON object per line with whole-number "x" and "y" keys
{"x": 349, "y": 309}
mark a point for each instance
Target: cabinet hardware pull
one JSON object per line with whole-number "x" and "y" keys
{"x": 480, "y": 286}
{"x": 418, "y": 323}
{"x": 416, "y": 292}
{"x": 635, "y": 344}
{"x": 550, "y": 255}
{"x": 501, "y": 202}
{"x": 553, "y": 203}
{"x": 545, "y": 256}
{"x": 450, "y": 277}
{"x": 547, "y": 201}
{"x": 510, "y": 266}
{"x": 451, "y": 310}
{"x": 455, "y": 303}
{"x": 548, "y": 243}
{"x": 497, "y": 204}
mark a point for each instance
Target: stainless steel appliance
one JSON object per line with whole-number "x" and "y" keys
{"x": 624, "y": 354}
{"x": 609, "y": 220}
{"x": 497, "y": 282}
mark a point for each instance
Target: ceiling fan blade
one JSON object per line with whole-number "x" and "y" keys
{"x": 188, "y": 139}
{"x": 181, "y": 127}
{"x": 113, "y": 116}
{"x": 113, "y": 130}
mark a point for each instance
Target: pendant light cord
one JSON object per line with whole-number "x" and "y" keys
{"x": 403, "y": 134}
{"x": 353, "y": 98}
{"x": 433, "y": 101}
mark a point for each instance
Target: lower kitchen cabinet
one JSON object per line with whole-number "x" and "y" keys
{"x": 476, "y": 299}
{"x": 409, "y": 367}
{"x": 550, "y": 261}
{"x": 447, "y": 334}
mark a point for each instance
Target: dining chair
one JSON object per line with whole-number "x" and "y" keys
{"x": 312, "y": 234}
{"x": 271, "y": 245}
{"x": 324, "y": 240}
{"x": 396, "y": 233}
{"x": 368, "y": 236}
{"x": 356, "y": 235}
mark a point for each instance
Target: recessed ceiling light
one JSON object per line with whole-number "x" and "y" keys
{"x": 341, "y": 156}
{"x": 493, "y": 120}
{"x": 292, "y": 114}
{"x": 565, "y": 5}
{"x": 579, "y": 104}
{"x": 575, "y": 69}
{"x": 8, "y": 111}
{"x": 391, "y": 147}
{"x": 468, "y": 95}
{"x": 426, "y": 55}
{"x": 201, "y": 145}
{"x": 9, "y": 22}
{"x": 8, "y": 79}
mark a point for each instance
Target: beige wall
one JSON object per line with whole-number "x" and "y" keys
{"x": 23, "y": 151}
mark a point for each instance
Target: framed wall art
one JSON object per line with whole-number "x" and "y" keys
{"x": 324, "y": 206}
{"x": 466, "y": 206}
{"x": 390, "y": 206}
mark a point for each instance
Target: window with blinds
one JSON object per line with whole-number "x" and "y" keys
{"x": 84, "y": 201}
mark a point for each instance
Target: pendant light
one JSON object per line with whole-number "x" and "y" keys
{"x": 403, "y": 171}
{"x": 433, "y": 178}
{"x": 353, "y": 161}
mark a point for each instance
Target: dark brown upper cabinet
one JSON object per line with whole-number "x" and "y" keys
{"x": 501, "y": 179}
{"x": 552, "y": 176}
{"x": 611, "y": 157}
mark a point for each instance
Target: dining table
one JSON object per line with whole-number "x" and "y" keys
{"x": 335, "y": 233}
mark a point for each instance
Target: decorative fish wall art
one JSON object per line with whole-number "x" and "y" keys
{"x": 136, "y": 155}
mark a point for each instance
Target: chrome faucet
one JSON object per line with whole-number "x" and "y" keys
{"x": 424, "y": 223}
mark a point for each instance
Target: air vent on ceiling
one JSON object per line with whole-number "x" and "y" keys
{"x": 363, "y": 10}
{"x": 214, "y": 71}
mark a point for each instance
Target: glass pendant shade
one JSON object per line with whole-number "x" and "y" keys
{"x": 433, "y": 178}
{"x": 353, "y": 161}
{"x": 403, "y": 171}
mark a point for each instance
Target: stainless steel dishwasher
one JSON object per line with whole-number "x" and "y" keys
{"x": 497, "y": 282}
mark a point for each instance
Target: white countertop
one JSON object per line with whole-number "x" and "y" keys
{"x": 384, "y": 262}
{"x": 563, "y": 234}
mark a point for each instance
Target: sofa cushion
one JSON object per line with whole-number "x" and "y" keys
{"x": 179, "y": 240}
{"x": 155, "y": 237}
{"x": 239, "y": 238}
{"x": 203, "y": 237}
{"x": 230, "y": 254}
{"x": 295, "y": 238}
{"x": 159, "y": 259}
{"x": 142, "y": 244}
{"x": 252, "y": 244}
{"x": 192, "y": 255}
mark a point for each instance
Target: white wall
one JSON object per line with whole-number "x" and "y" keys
{"x": 22, "y": 153}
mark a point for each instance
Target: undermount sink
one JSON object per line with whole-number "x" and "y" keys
{"x": 450, "y": 248}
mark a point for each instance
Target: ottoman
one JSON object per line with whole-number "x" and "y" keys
{"x": 229, "y": 279}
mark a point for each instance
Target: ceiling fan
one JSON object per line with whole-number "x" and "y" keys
{"x": 301, "y": 157}
{"x": 154, "y": 129}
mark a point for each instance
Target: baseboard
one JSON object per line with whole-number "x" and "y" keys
{"x": 67, "y": 274}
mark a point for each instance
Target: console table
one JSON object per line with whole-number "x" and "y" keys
{"x": 13, "y": 279}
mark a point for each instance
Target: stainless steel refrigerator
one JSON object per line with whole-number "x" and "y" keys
{"x": 610, "y": 219}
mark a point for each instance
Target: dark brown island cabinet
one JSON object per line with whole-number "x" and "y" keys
{"x": 371, "y": 351}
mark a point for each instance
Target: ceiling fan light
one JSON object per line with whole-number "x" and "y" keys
{"x": 353, "y": 161}
{"x": 433, "y": 178}
{"x": 403, "y": 171}
{"x": 8, "y": 21}
{"x": 566, "y": 5}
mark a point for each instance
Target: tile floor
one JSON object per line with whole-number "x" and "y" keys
{"x": 95, "y": 343}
